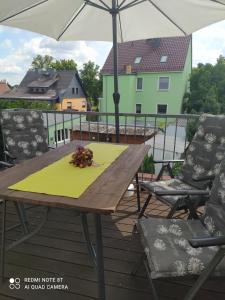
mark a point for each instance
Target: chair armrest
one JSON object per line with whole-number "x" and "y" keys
{"x": 203, "y": 178}
{"x": 166, "y": 161}
{"x": 182, "y": 192}
{"x": 5, "y": 164}
{"x": 207, "y": 241}
{"x": 9, "y": 155}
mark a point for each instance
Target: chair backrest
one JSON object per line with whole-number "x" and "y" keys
{"x": 23, "y": 132}
{"x": 206, "y": 150}
{"x": 214, "y": 216}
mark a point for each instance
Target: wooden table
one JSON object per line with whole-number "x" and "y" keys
{"x": 102, "y": 197}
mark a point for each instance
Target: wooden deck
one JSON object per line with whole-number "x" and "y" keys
{"x": 59, "y": 251}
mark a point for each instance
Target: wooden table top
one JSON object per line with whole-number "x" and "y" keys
{"x": 102, "y": 196}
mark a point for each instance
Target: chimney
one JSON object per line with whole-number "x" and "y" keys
{"x": 156, "y": 43}
{"x": 127, "y": 69}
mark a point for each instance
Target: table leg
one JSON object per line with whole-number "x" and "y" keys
{"x": 100, "y": 257}
{"x": 3, "y": 240}
{"x": 138, "y": 192}
{"x": 86, "y": 235}
{"x": 21, "y": 214}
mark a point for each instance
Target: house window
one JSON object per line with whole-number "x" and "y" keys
{"x": 138, "y": 108}
{"x": 161, "y": 108}
{"x": 66, "y": 133}
{"x": 73, "y": 90}
{"x": 163, "y": 58}
{"x": 59, "y": 135}
{"x": 69, "y": 105}
{"x": 138, "y": 60}
{"x": 62, "y": 135}
{"x": 139, "y": 86}
{"x": 77, "y": 91}
{"x": 164, "y": 83}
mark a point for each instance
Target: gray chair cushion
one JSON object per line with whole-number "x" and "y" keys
{"x": 168, "y": 185}
{"x": 206, "y": 150}
{"x": 166, "y": 241}
{"x": 23, "y": 133}
{"x": 214, "y": 217}
{"x": 203, "y": 158}
{"x": 167, "y": 249}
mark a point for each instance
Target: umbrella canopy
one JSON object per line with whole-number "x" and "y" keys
{"x": 111, "y": 20}
{"x": 83, "y": 20}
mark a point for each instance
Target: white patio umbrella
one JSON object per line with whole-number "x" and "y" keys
{"x": 111, "y": 20}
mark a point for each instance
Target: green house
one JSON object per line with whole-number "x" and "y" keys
{"x": 153, "y": 75}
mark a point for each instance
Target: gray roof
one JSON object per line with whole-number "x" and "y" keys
{"x": 57, "y": 83}
{"x": 43, "y": 82}
{"x": 22, "y": 93}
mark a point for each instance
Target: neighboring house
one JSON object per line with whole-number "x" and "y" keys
{"x": 60, "y": 126}
{"x": 4, "y": 87}
{"x": 63, "y": 89}
{"x": 153, "y": 75}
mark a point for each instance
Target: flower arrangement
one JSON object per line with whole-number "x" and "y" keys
{"x": 82, "y": 157}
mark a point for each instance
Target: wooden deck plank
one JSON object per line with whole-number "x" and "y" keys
{"x": 59, "y": 250}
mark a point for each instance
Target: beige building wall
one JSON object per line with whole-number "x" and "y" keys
{"x": 78, "y": 104}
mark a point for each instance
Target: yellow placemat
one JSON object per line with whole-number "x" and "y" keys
{"x": 63, "y": 179}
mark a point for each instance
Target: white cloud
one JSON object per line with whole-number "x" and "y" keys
{"x": 8, "y": 66}
{"x": 79, "y": 51}
{"x": 209, "y": 43}
{"x": 18, "y": 61}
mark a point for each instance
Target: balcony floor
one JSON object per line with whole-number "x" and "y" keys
{"x": 59, "y": 251}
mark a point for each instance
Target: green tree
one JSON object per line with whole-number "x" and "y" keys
{"x": 148, "y": 165}
{"x": 64, "y": 64}
{"x": 7, "y": 104}
{"x": 92, "y": 81}
{"x": 42, "y": 62}
{"x": 207, "y": 89}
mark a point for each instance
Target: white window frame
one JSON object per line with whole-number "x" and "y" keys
{"x": 84, "y": 104}
{"x": 163, "y": 59}
{"x": 71, "y": 104}
{"x": 161, "y": 104}
{"x": 139, "y": 90}
{"x": 59, "y": 132}
{"x": 164, "y": 90}
{"x": 136, "y": 108}
{"x": 137, "y": 60}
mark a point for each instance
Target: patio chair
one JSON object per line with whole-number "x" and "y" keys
{"x": 23, "y": 133}
{"x": 175, "y": 247}
{"x": 201, "y": 164}
{"x": 24, "y": 137}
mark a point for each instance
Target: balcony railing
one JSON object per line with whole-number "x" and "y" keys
{"x": 167, "y": 134}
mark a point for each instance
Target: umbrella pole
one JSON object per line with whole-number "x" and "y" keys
{"x": 116, "y": 95}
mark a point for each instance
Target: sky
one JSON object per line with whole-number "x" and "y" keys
{"x": 19, "y": 47}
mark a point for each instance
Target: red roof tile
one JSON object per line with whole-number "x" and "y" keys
{"x": 4, "y": 87}
{"x": 151, "y": 50}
